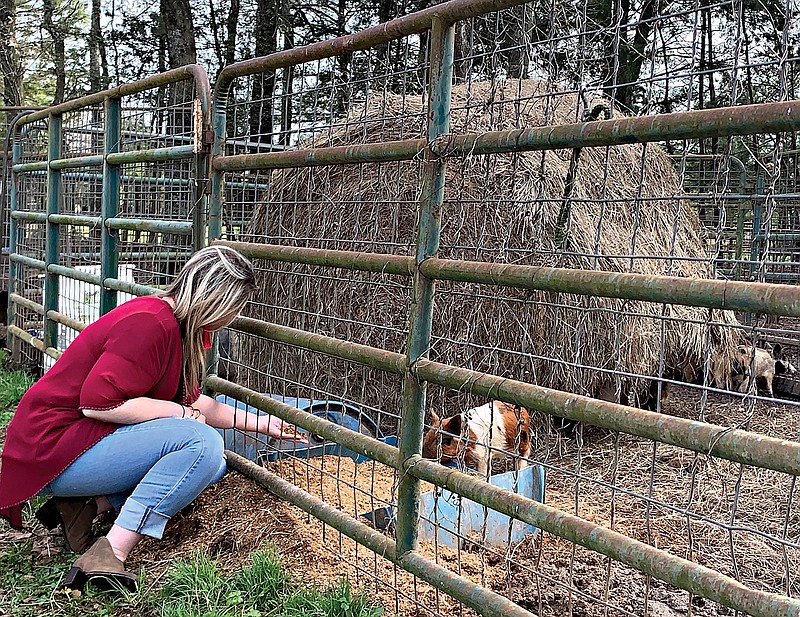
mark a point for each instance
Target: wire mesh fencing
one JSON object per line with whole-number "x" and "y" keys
{"x": 528, "y": 270}
{"x": 353, "y": 174}
{"x": 104, "y": 194}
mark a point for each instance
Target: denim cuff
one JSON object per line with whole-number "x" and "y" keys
{"x": 141, "y": 519}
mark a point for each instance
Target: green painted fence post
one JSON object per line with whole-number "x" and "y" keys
{"x": 52, "y": 230}
{"x": 15, "y": 228}
{"x": 109, "y": 207}
{"x": 421, "y": 313}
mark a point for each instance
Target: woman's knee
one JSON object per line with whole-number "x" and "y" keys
{"x": 207, "y": 442}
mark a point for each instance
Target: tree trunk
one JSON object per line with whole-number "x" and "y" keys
{"x": 287, "y": 115}
{"x": 343, "y": 63}
{"x": 386, "y": 10}
{"x": 631, "y": 52}
{"x": 230, "y": 41}
{"x": 98, "y": 60}
{"x": 57, "y": 36}
{"x": 179, "y": 32}
{"x": 515, "y": 28}
{"x": 214, "y": 23}
{"x": 10, "y": 63}
{"x": 265, "y": 34}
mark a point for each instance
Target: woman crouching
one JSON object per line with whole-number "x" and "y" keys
{"x": 119, "y": 423}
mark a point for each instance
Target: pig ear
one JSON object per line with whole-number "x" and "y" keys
{"x": 453, "y": 424}
{"x": 777, "y": 351}
{"x": 435, "y": 420}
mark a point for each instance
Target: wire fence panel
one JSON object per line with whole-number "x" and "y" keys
{"x": 108, "y": 207}
{"x": 551, "y": 246}
{"x": 354, "y": 186}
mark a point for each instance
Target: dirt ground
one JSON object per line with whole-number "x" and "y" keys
{"x": 741, "y": 521}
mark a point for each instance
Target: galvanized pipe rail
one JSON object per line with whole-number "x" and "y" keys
{"x": 179, "y": 228}
{"x": 33, "y": 341}
{"x": 674, "y": 570}
{"x": 767, "y": 298}
{"x": 114, "y": 158}
{"x": 725, "y": 122}
{"x": 158, "y": 181}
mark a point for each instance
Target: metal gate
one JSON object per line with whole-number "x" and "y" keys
{"x": 106, "y": 196}
{"x": 415, "y": 254}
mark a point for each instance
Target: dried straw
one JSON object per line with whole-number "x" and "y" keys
{"x": 503, "y": 208}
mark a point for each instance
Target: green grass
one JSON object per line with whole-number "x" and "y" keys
{"x": 13, "y": 384}
{"x": 192, "y": 588}
{"x": 196, "y": 588}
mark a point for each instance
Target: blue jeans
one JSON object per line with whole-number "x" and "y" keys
{"x": 148, "y": 471}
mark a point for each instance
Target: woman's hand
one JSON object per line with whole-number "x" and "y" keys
{"x": 278, "y": 429}
{"x": 220, "y": 415}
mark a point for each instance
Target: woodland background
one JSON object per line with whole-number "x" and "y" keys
{"x": 52, "y": 50}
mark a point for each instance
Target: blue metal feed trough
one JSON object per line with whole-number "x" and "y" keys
{"x": 260, "y": 448}
{"x": 453, "y": 520}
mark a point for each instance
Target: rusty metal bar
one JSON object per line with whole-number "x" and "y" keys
{"x": 349, "y": 260}
{"x": 38, "y": 264}
{"x": 483, "y": 600}
{"x": 732, "y": 444}
{"x": 414, "y": 23}
{"x": 190, "y": 71}
{"x": 109, "y": 202}
{"x": 131, "y": 288}
{"x": 363, "y": 354}
{"x": 34, "y": 217}
{"x": 94, "y": 160}
{"x": 14, "y": 234}
{"x": 66, "y": 320}
{"x": 382, "y": 152}
{"x": 72, "y": 273}
{"x": 53, "y": 198}
{"x": 420, "y": 315}
{"x": 368, "y": 446}
{"x": 171, "y": 153}
{"x": 741, "y": 120}
{"x": 766, "y": 298}
{"x": 721, "y": 122}
{"x": 179, "y": 228}
{"x": 75, "y": 219}
{"x": 20, "y": 168}
{"x": 25, "y": 302}
{"x": 33, "y": 341}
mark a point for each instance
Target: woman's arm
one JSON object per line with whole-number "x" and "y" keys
{"x": 138, "y": 410}
{"x": 220, "y": 415}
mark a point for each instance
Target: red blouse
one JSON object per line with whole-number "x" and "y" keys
{"x": 134, "y": 350}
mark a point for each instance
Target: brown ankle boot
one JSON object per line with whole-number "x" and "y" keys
{"x": 75, "y": 515}
{"x": 100, "y": 566}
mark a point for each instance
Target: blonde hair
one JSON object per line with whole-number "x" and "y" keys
{"x": 214, "y": 284}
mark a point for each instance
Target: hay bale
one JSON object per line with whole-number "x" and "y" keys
{"x": 502, "y": 208}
